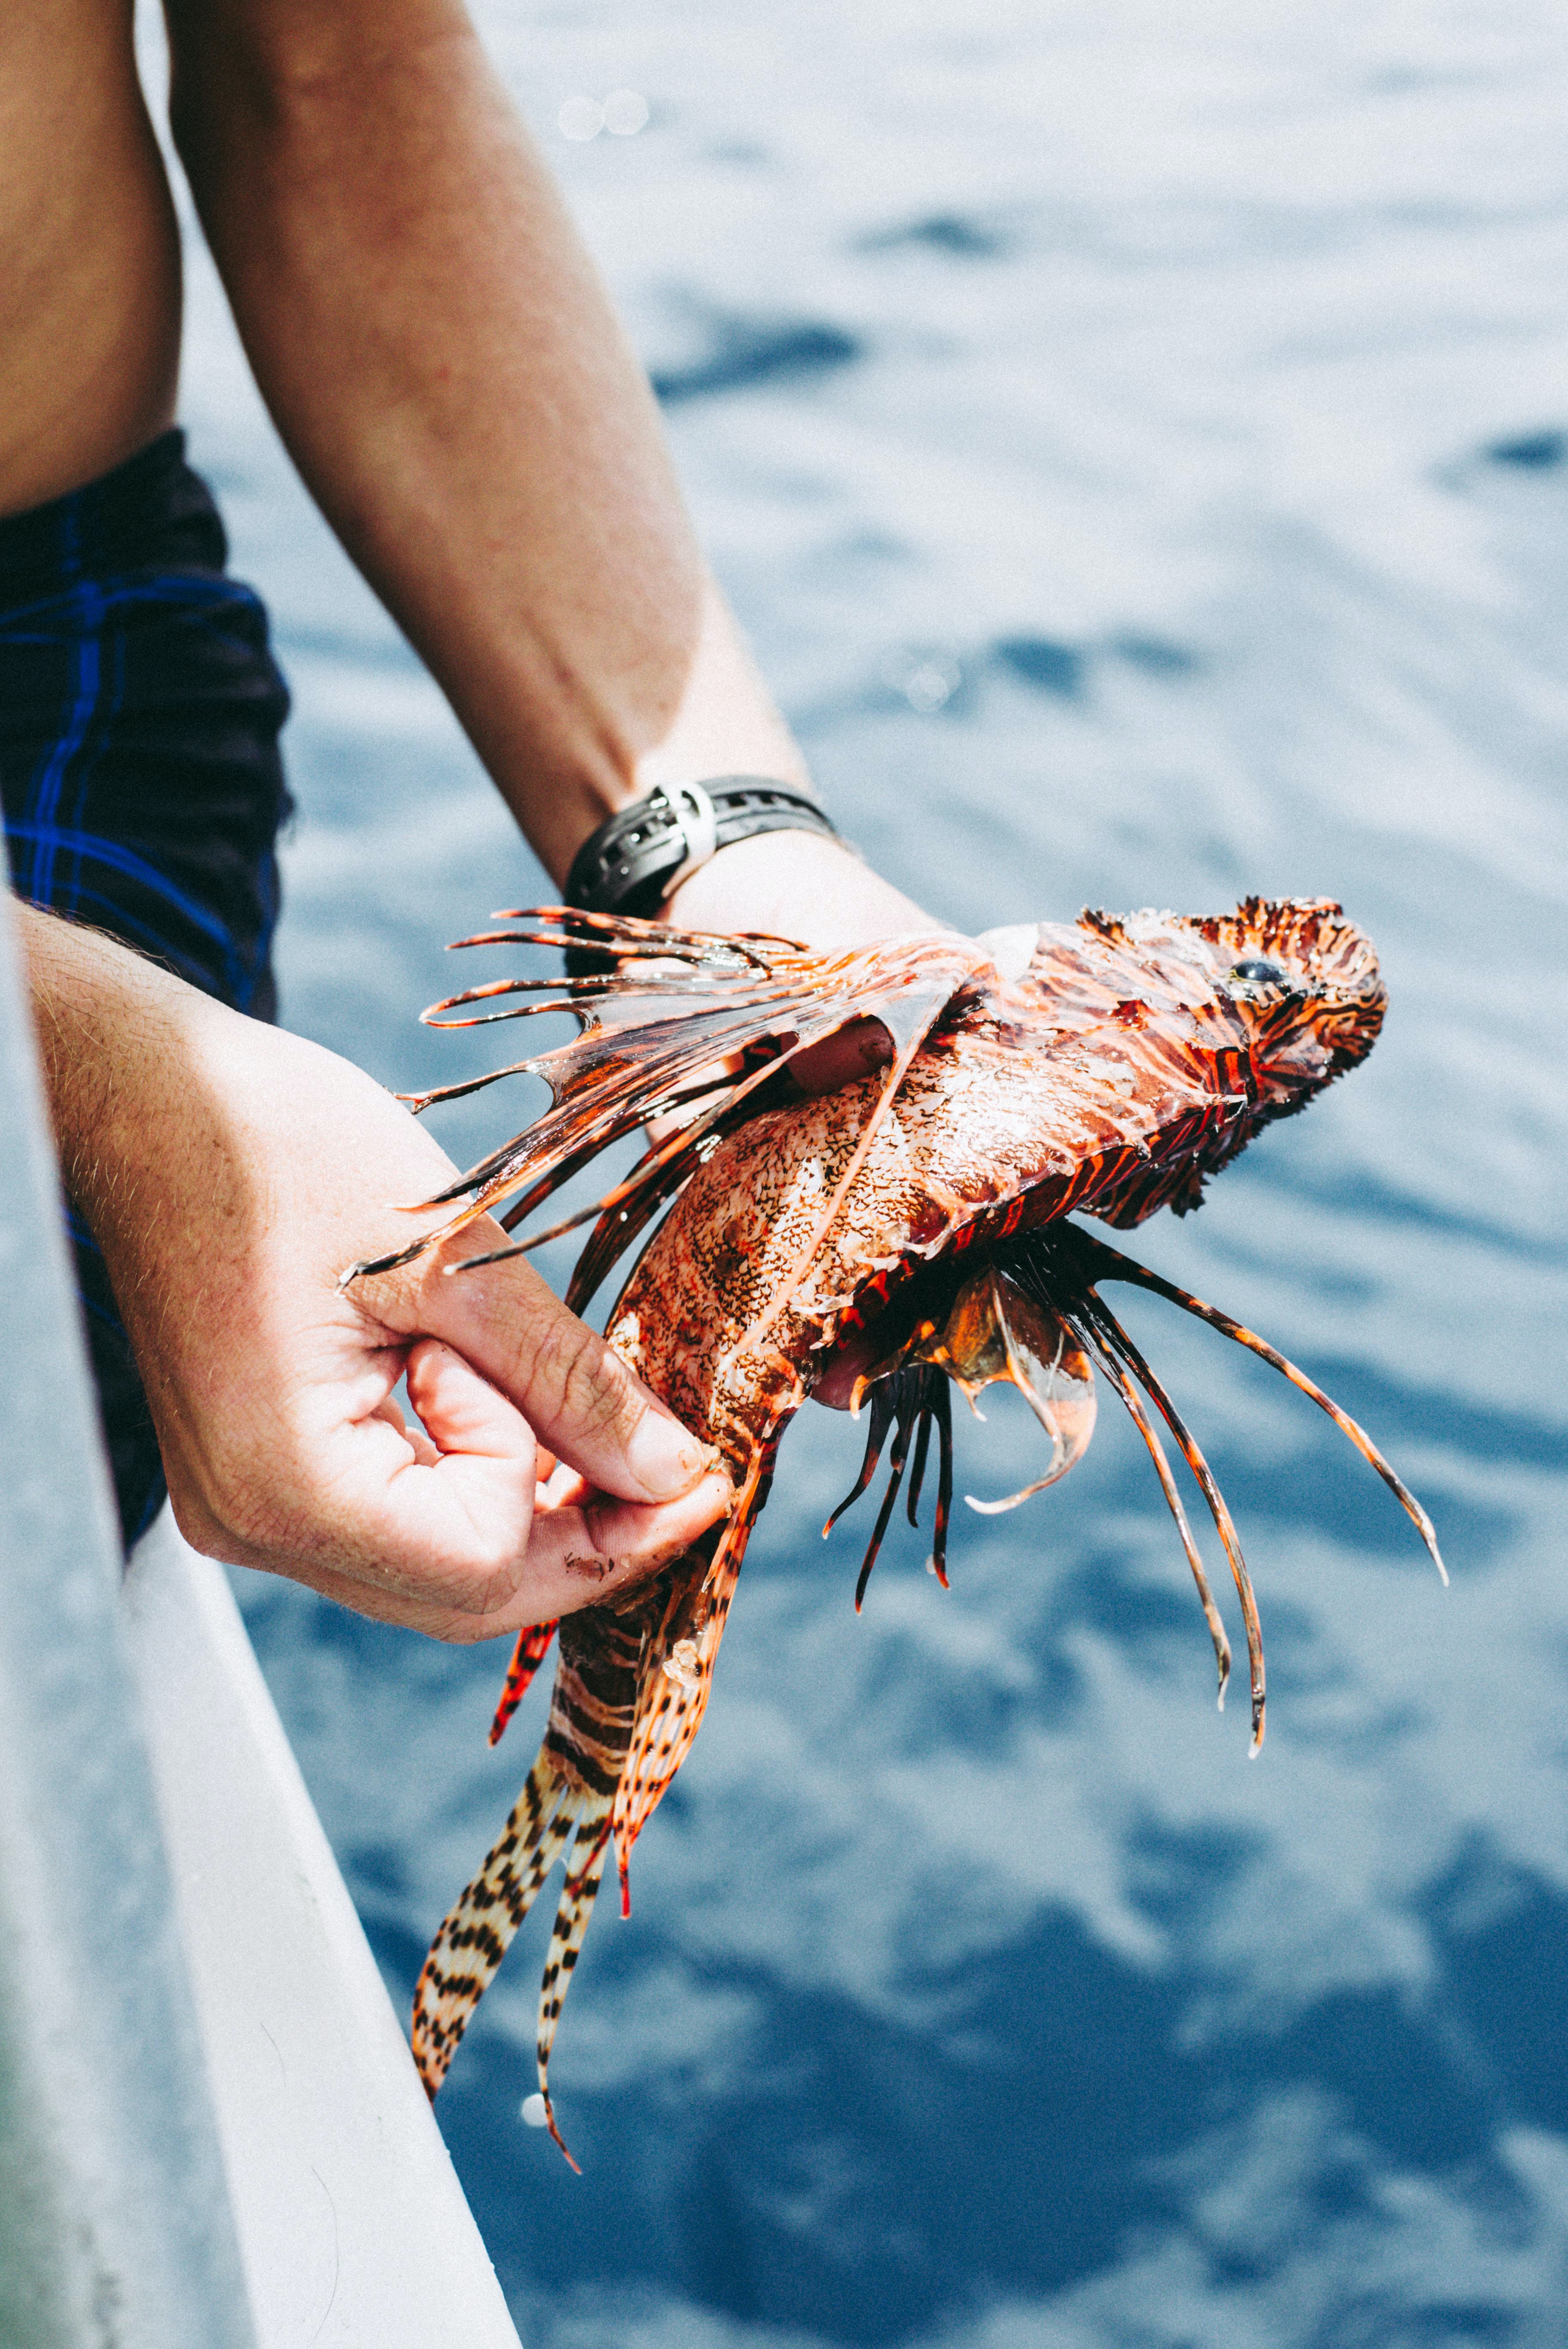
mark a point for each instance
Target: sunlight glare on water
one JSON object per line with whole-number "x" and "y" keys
{"x": 1137, "y": 441}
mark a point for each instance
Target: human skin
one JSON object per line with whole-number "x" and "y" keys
{"x": 489, "y": 451}
{"x": 230, "y": 1171}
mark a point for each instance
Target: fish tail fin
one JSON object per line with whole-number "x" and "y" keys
{"x": 676, "y": 1670}
{"x": 478, "y": 1930}
{"x": 584, "y": 1872}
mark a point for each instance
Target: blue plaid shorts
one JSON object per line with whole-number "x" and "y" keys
{"x": 143, "y": 792}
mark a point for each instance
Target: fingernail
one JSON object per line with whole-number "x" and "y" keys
{"x": 665, "y": 1461}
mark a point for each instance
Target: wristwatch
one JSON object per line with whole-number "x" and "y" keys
{"x": 630, "y": 865}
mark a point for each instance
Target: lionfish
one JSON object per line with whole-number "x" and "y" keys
{"x": 921, "y": 1216}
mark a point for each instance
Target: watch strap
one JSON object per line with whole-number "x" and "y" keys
{"x": 630, "y": 865}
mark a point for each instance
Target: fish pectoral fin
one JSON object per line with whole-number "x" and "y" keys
{"x": 1050, "y": 1369}
{"x": 1000, "y": 1509}
{"x": 717, "y": 1017}
{"x": 1103, "y": 1263}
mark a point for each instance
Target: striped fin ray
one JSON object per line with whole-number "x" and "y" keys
{"x": 732, "y": 996}
{"x": 478, "y": 1930}
{"x": 1119, "y": 1378}
{"x": 1109, "y": 1264}
{"x": 676, "y": 1671}
{"x": 572, "y": 1784}
{"x": 532, "y": 1642}
{"x": 1062, "y": 1266}
{"x": 674, "y": 1698}
{"x": 584, "y": 1872}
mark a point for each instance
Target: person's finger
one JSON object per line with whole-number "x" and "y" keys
{"x": 460, "y": 1541}
{"x": 419, "y": 1443}
{"x": 440, "y": 1512}
{"x": 462, "y": 1414}
{"x": 576, "y": 1557}
{"x": 578, "y": 1396}
{"x": 563, "y": 1489}
{"x": 581, "y": 1549}
{"x": 850, "y": 1052}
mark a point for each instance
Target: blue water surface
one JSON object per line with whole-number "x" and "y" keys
{"x": 1136, "y": 440}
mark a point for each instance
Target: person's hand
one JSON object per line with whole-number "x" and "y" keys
{"x": 230, "y": 1172}
{"x": 798, "y": 884}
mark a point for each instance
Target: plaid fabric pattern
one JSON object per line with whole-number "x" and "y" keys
{"x": 141, "y": 784}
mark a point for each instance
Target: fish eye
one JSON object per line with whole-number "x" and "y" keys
{"x": 1260, "y": 974}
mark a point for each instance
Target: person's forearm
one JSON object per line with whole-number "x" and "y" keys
{"x": 443, "y": 363}
{"x": 102, "y": 1016}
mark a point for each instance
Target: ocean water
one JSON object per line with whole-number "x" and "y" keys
{"x": 1136, "y": 440}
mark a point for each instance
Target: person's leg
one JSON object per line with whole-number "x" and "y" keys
{"x": 142, "y": 788}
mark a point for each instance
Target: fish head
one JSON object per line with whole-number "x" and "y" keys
{"x": 1304, "y": 981}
